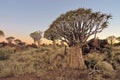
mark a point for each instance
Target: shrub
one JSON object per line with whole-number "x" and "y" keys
{"x": 44, "y": 49}
{"x": 96, "y": 57}
{"x": 117, "y": 57}
{"x": 4, "y": 54}
{"x": 105, "y": 66}
{"x": 90, "y": 63}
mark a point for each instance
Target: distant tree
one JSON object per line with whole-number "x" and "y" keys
{"x": 1, "y": 33}
{"x": 36, "y": 36}
{"x": 76, "y": 27}
{"x": 10, "y": 39}
{"x": 22, "y": 45}
{"x": 111, "y": 40}
{"x": 51, "y": 35}
{"x": 118, "y": 38}
{"x": 17, "y": 41}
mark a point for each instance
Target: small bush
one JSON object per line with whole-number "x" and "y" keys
{"x": 44, "y": 49}
{"x": 117, "y": 57}
{"x": 90, "y": 63}
{"x": 105, "y": 66}
{"x": 4, "y": 54}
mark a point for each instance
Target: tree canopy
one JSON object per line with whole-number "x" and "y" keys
{"x": 76, "y": 26}
{"x": 17, "y": 41}
{"x": 36, "y": 36}
{"x": 111, "y": 39}
{"x": 10, "y": 39}
{"x": 51, "y": 34}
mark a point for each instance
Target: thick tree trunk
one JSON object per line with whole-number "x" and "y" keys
{"x": 76, "y": 58}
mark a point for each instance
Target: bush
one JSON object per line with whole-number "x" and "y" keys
{"x": 4, "y": 54}
{"x": 117, "y": 57}
{"x": 90, "y": 63}
{"x": 105, "y": 66}
{"x": 96, "y": 57}
{"x": 44, "y": 49}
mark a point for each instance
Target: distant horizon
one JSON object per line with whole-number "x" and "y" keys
{"x": 44, "y": 40}
{"x": 30, "y": 40}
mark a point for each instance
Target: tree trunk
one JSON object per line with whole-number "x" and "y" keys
{"x": 54, "y": 44}
{"x": 35, "y": 42}
{"x": 39, "y": 44}
{"x": 76, "y": 58}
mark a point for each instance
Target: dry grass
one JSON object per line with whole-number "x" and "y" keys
{"x": 47, "y": 63}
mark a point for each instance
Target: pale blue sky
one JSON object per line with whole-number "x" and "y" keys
{"x": 19, "y": 18}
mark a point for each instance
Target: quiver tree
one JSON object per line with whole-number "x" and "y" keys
{"x": 17, "y": 41}
{"x": 36, "y": 36}
{"x": 111, "y": 40}
{"x": 19, "y": 44}
{"x": 118, "y": 38}
{"x": 51, "y": 35}
{"x": 76, "y": 27}
{"x": 10, "y": 39}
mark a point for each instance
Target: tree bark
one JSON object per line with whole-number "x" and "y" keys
{"x": 76, "y": 58}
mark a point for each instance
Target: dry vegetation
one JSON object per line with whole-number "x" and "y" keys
{"x": 46, "y": 63}
{"x": 30, "y": 62}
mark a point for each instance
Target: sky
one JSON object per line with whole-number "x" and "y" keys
{"x": 19, "y": 18}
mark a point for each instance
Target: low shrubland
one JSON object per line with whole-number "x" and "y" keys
{"x": 47, "y": 63}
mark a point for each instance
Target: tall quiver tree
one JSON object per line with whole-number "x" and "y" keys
{"x": 76, "y": 27}
{"x": 51, "y": 35}
{"x": 36, "y": 36}
{"x": 10, "y": 39}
